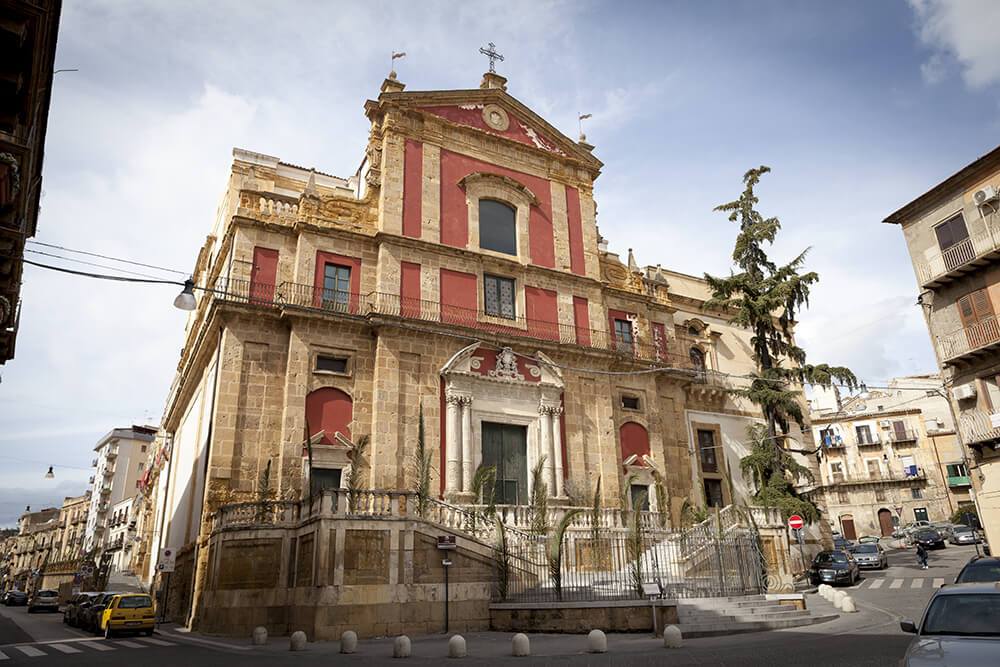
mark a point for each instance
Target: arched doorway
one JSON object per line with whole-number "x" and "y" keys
{"x": 885, "y": 522}
{"x": 847, "y": 527}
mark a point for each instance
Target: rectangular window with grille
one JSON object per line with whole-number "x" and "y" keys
{"x": 917, "y": 493}
{"x": 706, "y": 446}
{"x": 498, "y": 297}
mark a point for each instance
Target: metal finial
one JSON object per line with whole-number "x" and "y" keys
{"x": 492, "y": 54}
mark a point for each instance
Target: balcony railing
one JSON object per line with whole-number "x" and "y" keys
{"x": 959, "y": 480}
{"x": 970, "y": 340}
{"x": 868, "y": 441}
{"x": 914, "y": 474}
{"x": 978, "y": 427}
{"x": 902, "y": 437}
{"x": 377, "y": 304}
{"x": 959, "y": 258}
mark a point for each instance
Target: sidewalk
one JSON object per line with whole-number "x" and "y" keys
{"x": 495, "y": 646}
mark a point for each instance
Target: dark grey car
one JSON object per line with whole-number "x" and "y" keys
{"x": 961, "y": 626}
{"x": 834, "y": 567}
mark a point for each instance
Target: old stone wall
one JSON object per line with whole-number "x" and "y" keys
{"x": 634, "y": 616}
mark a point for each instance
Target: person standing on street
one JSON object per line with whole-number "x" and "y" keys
{"x": 922, "y": 556}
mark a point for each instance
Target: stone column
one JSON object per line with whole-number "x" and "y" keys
{"x": 545, "y": 413}
{"x": 468, "y": 461}
{"x": 453, "y": 430}
{"x": 557, "y": 454}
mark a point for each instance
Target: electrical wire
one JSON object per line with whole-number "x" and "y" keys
{"x": 103, "y": 276}
{"x": 14, "y": 458}
{"x": 109, "y": 257}
{"x": 85, "y": 262}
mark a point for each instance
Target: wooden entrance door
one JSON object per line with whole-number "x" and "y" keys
{"x": 505, "y": 446}
{"x": 885, "y": 522}
{"x": 847, "y": 527}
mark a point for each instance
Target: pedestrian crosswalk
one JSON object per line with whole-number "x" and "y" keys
{"x": 895, "y": 583}
{"x": 39, "y": 650}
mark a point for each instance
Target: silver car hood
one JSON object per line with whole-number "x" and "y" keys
{"x": 953, "y": 652}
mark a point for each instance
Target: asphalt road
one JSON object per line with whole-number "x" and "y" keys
{"x": 868, "y": 638}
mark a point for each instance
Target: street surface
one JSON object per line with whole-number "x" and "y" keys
{"x": 870, "y": 637}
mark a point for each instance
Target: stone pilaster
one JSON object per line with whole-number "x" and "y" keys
{"x": 430, "y": 204}
{"x": 557, "y": 451}
{"x": 560, "y": 225}
{"x": 453, "y": 430}
{"x": 545, "y": 422}
{"x": 468, "y": 461}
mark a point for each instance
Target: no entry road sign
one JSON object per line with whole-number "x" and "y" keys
{"x": 795, "y": 522}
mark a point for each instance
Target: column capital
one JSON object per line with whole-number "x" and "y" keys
{"x": 544, "y": 409}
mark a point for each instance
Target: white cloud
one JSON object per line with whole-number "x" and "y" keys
{"x": 965, "y": 31}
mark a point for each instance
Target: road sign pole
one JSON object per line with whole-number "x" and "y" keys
{"x": 802, "y": 556}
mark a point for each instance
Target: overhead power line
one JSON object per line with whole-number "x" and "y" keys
{"x": 85, "y": 262}
{"x": 103, "y": 276}
{"x": 109, "y": 257}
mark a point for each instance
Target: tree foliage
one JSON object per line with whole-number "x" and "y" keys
{"x": 555, "y": 549}
{"x": 422, "y": 466}
{"x": 765, "y": 298}
{"x": 539, "y": 499}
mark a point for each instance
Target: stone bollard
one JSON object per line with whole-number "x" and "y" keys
{"x": 349, "y": 641}
{"x": 401, "y": 647}
{"x": 520, "y": 645}
{"x": 297, "y": 642}
{"x": 848, "y": 606}
{"x": 826, "y": 591}
{"x": 456, "y": 647}
{"x": 838, "y": 598}
{"x": 597, "y": 642}
{"x": 259, "y": 637}
{"x": 672, "y": 637}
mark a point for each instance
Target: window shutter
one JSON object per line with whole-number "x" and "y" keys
{"x": 966, "y": 311}
{"x": 981, "y": 304}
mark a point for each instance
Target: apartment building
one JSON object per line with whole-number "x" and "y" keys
{"x": 37, "y": 535}
{"x": 952, "y": 232}
{"x": 119, "y": 464}
{"x": 73, "y": 519}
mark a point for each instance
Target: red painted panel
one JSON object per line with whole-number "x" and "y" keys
{"x": 581, "y": 320}
{"x": 413, "y": 175}
{"x": 459, "y": 297}
{"x": 634, "y": 440}
{"x": 488, "y": 362}
{"x": 474, "y": 118}
{"x": 329, "y": 410}
{"x": 455, "y": 211}
{"x": 574, "y": 221}
{"x": 542, "y": 313}
{"x": 264, "y": 274}
{"x": 660, "y": 341}
{"x": 354, "y": 263}
{"x": 409, "y": 289}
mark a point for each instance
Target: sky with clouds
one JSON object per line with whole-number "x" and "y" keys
{"x": 857, "y": 107}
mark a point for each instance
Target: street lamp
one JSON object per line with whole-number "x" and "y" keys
{"x": 50, "y": 474}
{"x": 185, "y": 300}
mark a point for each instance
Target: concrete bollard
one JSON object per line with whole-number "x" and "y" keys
{"x": 848, "y": 606}
{"x": 297, "y": 642}
{"x": 597, "y": 642}
{"x": 401, "y": 647}
{"x": 520, "y": 645}
{"x": 259, "y": 636}
{"x": 349, "y": 641}
{"x": 838, "y": 598}
{"x": 826, "y": 591}
{"x": 456, "y": 647}
{"x": 672, "y": 637}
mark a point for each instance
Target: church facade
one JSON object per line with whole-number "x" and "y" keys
{"x": 458, "y": 279}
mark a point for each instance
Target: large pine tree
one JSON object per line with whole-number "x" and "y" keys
{"x": 765, "y": 298}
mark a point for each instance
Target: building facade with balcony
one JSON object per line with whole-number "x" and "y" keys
{"x": 953, "y": 235}
{"x": 37, "y": 536}
{"x": 459, "y": 274}
{"x": 880, "y": 465}
{"x": 121, "y": 461}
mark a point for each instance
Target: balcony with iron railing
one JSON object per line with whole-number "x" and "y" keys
{"x": 968, "y": 343}
{"x": 958, "y": 481}
{"x": 420, "y": 312}
{"x": 979, "y": 427}
{"x": 946, "y": 265}
{"x": 903, "y": 436}
{"x": 867, "y": 441}
{"x": 851, "y": 478}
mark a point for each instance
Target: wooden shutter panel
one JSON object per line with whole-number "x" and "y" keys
{"x": 966, "y": 311}
{"x": 981, "y": 304}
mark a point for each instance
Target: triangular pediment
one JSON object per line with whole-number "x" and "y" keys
{"x": 496, "y": 112}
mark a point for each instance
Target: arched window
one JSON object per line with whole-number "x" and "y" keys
{"x": 634, "y": 440}
{"x": 497, "y": 227}
{"x": 329, "y": 410}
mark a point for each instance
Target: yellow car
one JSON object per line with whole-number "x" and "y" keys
{"x": 129, "y": 612}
